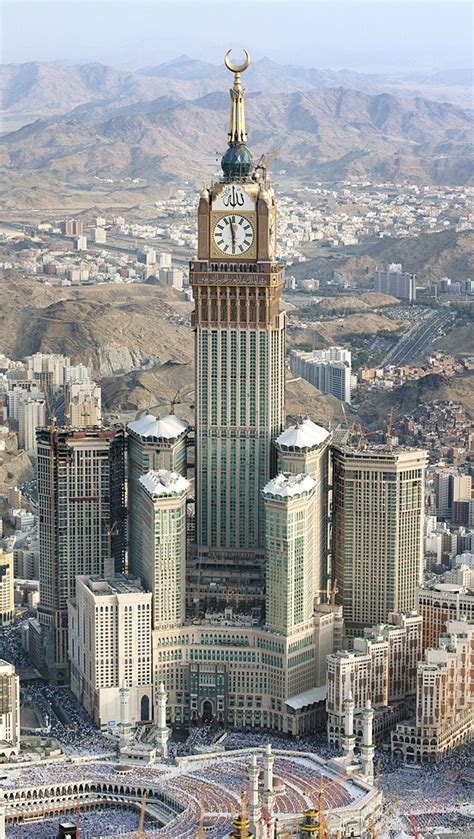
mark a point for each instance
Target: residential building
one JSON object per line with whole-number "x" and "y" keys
{"x": 110, "y": 648}
{"x": 328, "y": 370}
{"x": 444, "y": 699}
{"x": 377, "y": 544}
{"x": 7, "y": 578}
{"x": 9, "y": 710}
{"x": 31, "y": 416}
{"x": 381, "y": 669}
{"x": 396, "y": 282}
{"x": 450, "y": 486}
{"x": 81, "y": 499}
{"x": 439, "y": 603}
{"x": 83, "y": 405}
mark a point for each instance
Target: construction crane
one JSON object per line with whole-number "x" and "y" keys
{"x": 78, "y": 819}
{"x": 174, "y": 400}
{"x": 388, "y": 436}
{"x": 201, "y": 830}
{"x": 330, "y": 591}
{"x": 263, "y": 163}
{"x": 142, "y": 816}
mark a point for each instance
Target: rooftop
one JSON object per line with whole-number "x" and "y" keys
{"x": 304, "y": 435}
{"x": 289, "y": 486}
{"x": 164, "y": 483}
{"x": 149, "y": 427}
{"x": 121, "y": 584}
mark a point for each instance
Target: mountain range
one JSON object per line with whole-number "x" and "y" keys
{"x": 165, "y": 122}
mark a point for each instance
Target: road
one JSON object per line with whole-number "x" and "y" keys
{"x": 418, "y": 339}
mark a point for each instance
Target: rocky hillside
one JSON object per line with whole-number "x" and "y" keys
{"x": 431, "y": 256}
{"x": 114, "y": 329}
{"x": 374, "y": 410}
{"x": 327, "y": 134}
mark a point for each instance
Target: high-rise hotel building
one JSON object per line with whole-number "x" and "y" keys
{"x": 240, "y": 368}
{"x": 81, "y": 499}
{"x": 251, "y": 649}
{"x": 378, "y": 512}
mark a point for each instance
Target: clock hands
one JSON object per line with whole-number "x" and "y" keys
{"x": 232, "y": 233}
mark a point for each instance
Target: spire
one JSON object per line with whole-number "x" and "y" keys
{"x": 237, "y": 161}
{"x": 237, "y": 132}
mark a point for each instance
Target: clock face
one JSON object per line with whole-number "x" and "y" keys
{"x": 233, "y": 235}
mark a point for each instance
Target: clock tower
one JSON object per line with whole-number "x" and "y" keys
{"x": 240, "y": 370}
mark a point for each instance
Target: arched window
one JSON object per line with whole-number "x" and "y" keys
{"x": 145, "y": 708}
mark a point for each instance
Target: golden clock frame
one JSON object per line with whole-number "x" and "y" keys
{"x": 216, "y": 252}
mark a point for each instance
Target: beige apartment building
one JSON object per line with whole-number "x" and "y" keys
{"x": 378, "y": 513}
{"x": 444, "y": 699}
{"x": 381, "y": 669}
{"x": 110, "y": 649}
{"x": 7, "y": 579}
{"x": 440, "y": 603}
{"x": 9, "y": 710}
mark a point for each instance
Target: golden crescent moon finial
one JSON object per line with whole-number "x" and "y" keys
{"x": 236, "y": 68}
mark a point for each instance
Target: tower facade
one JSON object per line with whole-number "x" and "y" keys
{"x": 162, "y": 521}
{"x": 378, "y": 515}
{"x": 240, "y": 368}
{"x": 153, "y": 444}
{"x": 81, "y": 499}
{"x": 304, "y": 449}
{"x": 289, "y": 525}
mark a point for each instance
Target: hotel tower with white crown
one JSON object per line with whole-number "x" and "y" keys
{"x": 251, "y": 650}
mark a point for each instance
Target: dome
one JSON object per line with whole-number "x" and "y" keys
{"x": 152, "y": 428}
{"x": 304, "y": 435}
{"x": 237, "y": 161}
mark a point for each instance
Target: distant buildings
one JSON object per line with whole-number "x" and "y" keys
{"x": 377, "y": 544}
{"x": 328, "y": 370}
{"x": 81, "y": 497}
{"x": 395, "y": 282}
{"x": 444, "y": 698}
{"x": 83, "y": 405}
{"x": 110, "y": 648}
{"x": 451, "y": 486}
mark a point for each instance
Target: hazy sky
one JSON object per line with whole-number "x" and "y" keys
{"x": 370, "y": 36}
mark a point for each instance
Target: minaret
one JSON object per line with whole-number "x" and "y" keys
{"x": 254, "y": 805}
{"x": 348, "y": 740}
{"x": 163, "y": 730}
{"x": 268, "y": 794}
{"x": 124, "y": 710}
{"x": 367, "y": 748}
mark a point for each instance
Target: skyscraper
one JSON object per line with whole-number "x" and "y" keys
{"x": 378, "y": 512}
{"x": 81, "y": 498}
{"x": 153, "y": 444}
{"x": 161, "y": 517}
{"x": 240, "y": 353}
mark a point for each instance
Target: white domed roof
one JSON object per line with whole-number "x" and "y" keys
{"x": 288, "y": 486}
{"x": 304, "y": 435}
{"x": 153, "y": 428}
{"x": 163, "y": 482}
